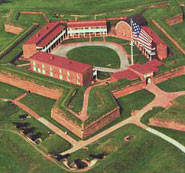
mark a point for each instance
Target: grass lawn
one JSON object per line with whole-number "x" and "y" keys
{"x": 41, "y": 105}
{"x": 95, "y": 55}
{"x": 54, "y": 144}
{"x": 175, "y": 113}
{"x": 155, "y": 110}
{"x": 134, "y": 101}
{"x": 17, "y": 156}
{"x": 77, "y": 101}
{"x": 101, "y": 101}
{"x": 174, "y": 84}
{"x": 7, "y": 109}
{"x": 144, "y": 153}
{"x": 9, "y": 91}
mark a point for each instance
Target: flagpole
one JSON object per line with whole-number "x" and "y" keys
{"x": 132, "y": 43}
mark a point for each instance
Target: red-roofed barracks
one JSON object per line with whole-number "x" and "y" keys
{"x": 45, "y": 39}
{"x": 87, "y": 28}
{"x": 62, "y": 68}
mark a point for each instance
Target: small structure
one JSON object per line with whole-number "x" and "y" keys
{"x": 87, "y": 28}
{"x": 144, "y": 71}
{"x": 62, "y": 68}
{"x": 48, "y": 37}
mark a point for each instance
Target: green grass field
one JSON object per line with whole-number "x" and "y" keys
{"x": 95, "y": 55}
{"x": 134, "y": 101}
{"x": 173, "y": 85}
{"x": 9, "y": 91}
{"x": 145, "y": 153}
{"x": 175, "y": 113}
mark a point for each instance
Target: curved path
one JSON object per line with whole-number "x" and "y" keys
{"x": 65, "y": 48}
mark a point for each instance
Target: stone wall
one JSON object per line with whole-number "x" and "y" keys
{"x": 13, "y": 29}
{"x": 167, "y": 124}
{"x": 30, "y": 86}
{"x": 175, "y": 20}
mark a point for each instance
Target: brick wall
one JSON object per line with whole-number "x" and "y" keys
{"x": 162, "y": 51}
{"x": 29, "y": 50}
{"x": 167, "y": 124}
{"x": 175, "y": 20}
{"x": 129, "y": 89}
{"x": 90, "y": 129}
{"x": 13, "y": 29}
{"x": 168, "y": 75}
{"x": 100, "y": 123}
{"x": 30, "y": 86}
{"x": 123, "y": 30}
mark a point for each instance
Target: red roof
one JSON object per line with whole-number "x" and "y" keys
{"x": 46, "y": 34}
{"x": 61, "y": 62}
{"x": 154, "y": 63}
{"x": 87, "y": 23}
{"x": 130, "y": 75}
{"x": 143, "y": 69}
{"x": 155, "y": 37}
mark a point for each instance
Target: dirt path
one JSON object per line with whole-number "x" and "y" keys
{"x": 65, "y": 48}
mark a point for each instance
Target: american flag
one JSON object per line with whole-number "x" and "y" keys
{"x": 142, "y": 38}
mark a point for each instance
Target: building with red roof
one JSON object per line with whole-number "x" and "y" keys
{"x": 62, "y": 68}
{"x": 45, "y": 39}
{"x": 142, "y": 71}
{"x": 87, "y": 28}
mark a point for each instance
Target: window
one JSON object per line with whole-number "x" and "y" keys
{"x": 34, "y": 63}
{"x": 78, "y": 79}
{"x": 51, "y": 74}
{"x": 60, "y": 71}
{"x": 43, "y": 66}
{"x": 51, "y": 68}
{"x": 60, "y": 76}
{"x": 68, "y": 78}
{"x": 39, "y": 70}
{"x": 34, "y": 69}
{"x": 68, "y": 74}
{"x": 43, "y": 71}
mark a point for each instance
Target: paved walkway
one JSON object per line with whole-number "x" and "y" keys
{"x": 65, "y": 48}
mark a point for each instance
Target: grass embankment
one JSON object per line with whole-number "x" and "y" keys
{"x": 134, "y": 101}
{"x": 101, "y": 101}
{"x": 175, "y": 113}
{"x": 173, "y": 85}
{"x": 95, "y": 55}
{"x": 9, "y": 92}
{"x": 145, "y": 151}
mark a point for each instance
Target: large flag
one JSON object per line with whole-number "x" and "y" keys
{"x": 142, "y": 38}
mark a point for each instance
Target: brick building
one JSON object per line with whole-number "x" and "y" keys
{"x": 45, "y": 39}
{"x": 159, "y": 45}
{"x": 123, "y": 30}
{"x": 62, "y": 68}
{"x": 143, "y": 71}
{"x": 87, "y": 28}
